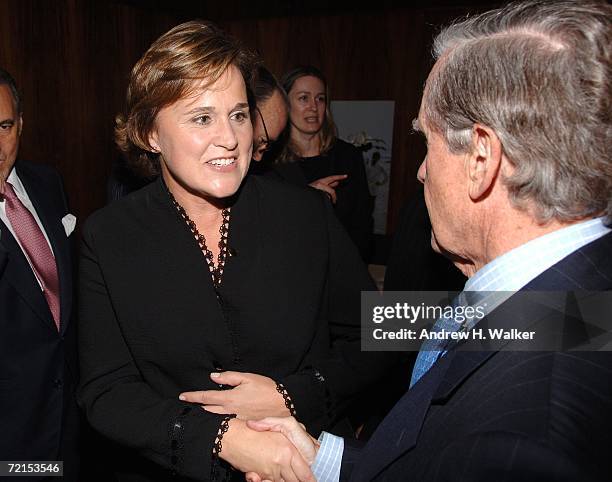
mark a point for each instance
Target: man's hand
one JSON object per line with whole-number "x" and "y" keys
{"x": 264, "y": 455}
{"x": 306, "y": 445}
{"x": 293, "y": 430}
{"x": 328, "y": 185}
{"x": 253, "y": 396}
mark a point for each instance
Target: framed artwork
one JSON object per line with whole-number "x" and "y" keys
{"x": 368, "y": 125}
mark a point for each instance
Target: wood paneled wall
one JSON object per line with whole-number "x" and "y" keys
{"x": 72, "y": 58}
{"x": 385, "y": 56}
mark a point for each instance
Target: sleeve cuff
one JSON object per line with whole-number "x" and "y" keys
{"x": 310, "y": 398}
{"x": 326, "y": 467}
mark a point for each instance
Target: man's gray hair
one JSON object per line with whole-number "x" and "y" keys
{"x": 538, "y": 74}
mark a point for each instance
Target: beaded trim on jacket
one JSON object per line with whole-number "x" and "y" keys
{"x": 216, "y": 272}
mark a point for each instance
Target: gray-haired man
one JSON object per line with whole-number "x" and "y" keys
{"x": 518, "y": 185}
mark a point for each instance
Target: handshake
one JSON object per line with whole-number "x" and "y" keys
{"x": 263, "y": 441}
{"x": 271, "y": 449}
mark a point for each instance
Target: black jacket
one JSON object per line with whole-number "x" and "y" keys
{"x": 152, "y": 325}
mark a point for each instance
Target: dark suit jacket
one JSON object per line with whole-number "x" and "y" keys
{"x": 151, "y": 324}
{"x": 38, "y": 367}
{"x": 504, "y": 415}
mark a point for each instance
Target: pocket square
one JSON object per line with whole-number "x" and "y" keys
{"x": 69, "y": 222}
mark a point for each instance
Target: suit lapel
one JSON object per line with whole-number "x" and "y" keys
{"x": 50, "y": 217}
{"x": 400, "y": 429}
{"x": 18, "y": 270}
{"x": 550, "y": 314}
{"x": 18, "y": 273}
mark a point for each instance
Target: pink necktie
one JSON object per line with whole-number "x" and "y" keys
{"x": 35, "y": 245}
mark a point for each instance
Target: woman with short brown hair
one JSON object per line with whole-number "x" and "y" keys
{"x": 209, "y": 298}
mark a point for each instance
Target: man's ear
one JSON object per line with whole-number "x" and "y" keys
{"x": 484, "y": 161}
{"x": 20, "y": 126}
{"x": 258, "y": 152}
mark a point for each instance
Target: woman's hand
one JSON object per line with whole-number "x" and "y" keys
{"x": 328, "y": 185}
{"x": 269, "y": 455}
{"x": 252, "y": 398}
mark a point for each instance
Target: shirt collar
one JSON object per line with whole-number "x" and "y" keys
{"x": 497, "y": 281}
{"x": 13, "y": 178}
{"x": 516, "y": 268}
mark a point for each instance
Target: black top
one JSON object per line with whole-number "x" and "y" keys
{"x": 354, "y": 203}
{"x": 152, "y": 324}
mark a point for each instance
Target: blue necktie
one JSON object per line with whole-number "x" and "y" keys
{"x": 432, "y": 349}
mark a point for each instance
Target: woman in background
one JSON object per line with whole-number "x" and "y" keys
{"x": 314, "y": 155}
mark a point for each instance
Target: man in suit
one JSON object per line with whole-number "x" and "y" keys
{"x": 518, "y": 185}
{"x": 38, "y": 413}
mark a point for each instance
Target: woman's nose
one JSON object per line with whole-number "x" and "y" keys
{"x": 226, "y": 137}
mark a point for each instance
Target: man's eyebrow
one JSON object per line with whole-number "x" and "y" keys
{"x": 7, "y": 121}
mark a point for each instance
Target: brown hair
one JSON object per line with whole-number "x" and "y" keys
{"x": 328, "y": 130}
{"x": 168, "y": 71}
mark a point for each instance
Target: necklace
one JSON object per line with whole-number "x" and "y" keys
{"x": 216, "y": 272}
